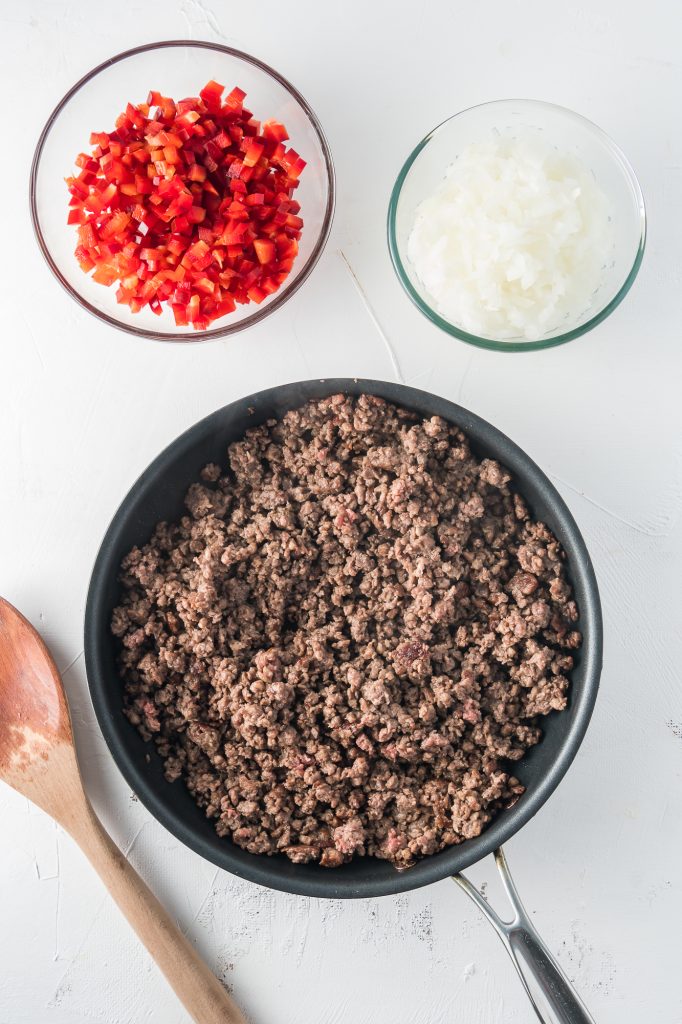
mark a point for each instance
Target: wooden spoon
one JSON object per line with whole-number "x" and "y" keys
{"x": 38, "y": 759}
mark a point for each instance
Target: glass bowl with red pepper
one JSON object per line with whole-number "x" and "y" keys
{"x": 182, "y": 191}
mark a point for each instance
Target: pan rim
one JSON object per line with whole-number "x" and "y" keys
{"x": 269, "y": 871}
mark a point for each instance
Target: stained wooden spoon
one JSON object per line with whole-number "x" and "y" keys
{"x": 38, "y": 759}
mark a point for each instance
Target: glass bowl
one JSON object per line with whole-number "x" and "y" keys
{"x": 176, "y": 68}
{"x": 570, "y": 133}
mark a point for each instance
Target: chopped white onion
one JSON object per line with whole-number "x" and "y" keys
{"x": 514, "y": 241}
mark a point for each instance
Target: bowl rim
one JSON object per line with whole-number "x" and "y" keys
{"x": 285, "y": 292}
{"x": 300, "y": 879}
{"x": 493, "y": 344}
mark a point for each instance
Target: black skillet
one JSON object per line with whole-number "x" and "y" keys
{"x": 158, "y": 495}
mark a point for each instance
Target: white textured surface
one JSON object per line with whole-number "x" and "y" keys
{"x": 83, "y": 409}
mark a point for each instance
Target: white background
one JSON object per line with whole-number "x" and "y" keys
{"x": 84, "y": 408}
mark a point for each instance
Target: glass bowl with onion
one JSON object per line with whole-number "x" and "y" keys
{"x": 516, "y": 225}
{"x": 178, "y": 69}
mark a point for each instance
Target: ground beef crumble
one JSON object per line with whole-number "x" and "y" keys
{"x": 349, "y": 638}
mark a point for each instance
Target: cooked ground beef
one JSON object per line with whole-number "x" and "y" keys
{"x": 349, "y": 638}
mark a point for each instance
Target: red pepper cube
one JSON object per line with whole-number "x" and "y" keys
{"x": 213, "y": 150}
{"x": 269, "y": 285}
{"x": 186, "y": 120}
{"x": 275, "y": 130}
{"x": 81, "y": 254}
{"x": 180, "y": 314}
{"x": 182, "y": 225}
{"x": 99, "y": 139}
{"x": 205, "y": 285}
{"x": 194, "y": 308}
{"x": 170, "y": 138}
{"x": 143, "y": 185}
{"x": 235, "y": 98}
{"x": 86, "y": 162}
{"x": 222, "y": 140}
{"x": 296, "y": 168}
{"x": 135, "y": 116}
{"x": 196, "y": 173}
{"x": 278, "y": 153}
{"x": 226, "y": 305}
{"x": 104, "y": 275}
{"x": 212, "y": 93}
{"x": 251, "y": 276}
{"x": 253, "y": 153}
{"x": 77, "y": 188}
{"x": 265, "y": 250}
{"x": 189, "y": 103}
{"x": 195, "y": 253}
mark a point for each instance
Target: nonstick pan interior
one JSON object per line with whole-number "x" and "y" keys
{"x": 158, "y": 495}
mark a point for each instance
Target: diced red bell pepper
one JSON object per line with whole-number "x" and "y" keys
{"x": 253, "y": 153}
{"x": 104, "y": 275}
{"x": 235, "y": 98}
{"x": 211, "y": 94}
{"x": 77, "y": 216}
{"x": 186, "y": 120}
{"x": 275, "y": 130}
{"x": 265, "y": 250}
{"x": 188, "y": 204}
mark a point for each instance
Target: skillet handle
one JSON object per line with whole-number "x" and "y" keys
{"x": 553, "y": 998}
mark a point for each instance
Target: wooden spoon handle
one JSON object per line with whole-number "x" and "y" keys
{"x": 197, "y": 988}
